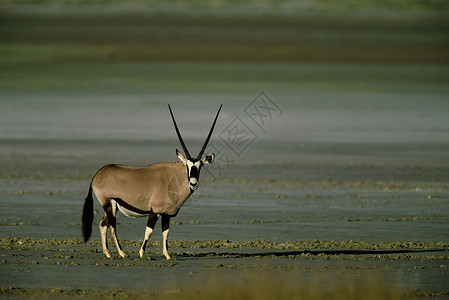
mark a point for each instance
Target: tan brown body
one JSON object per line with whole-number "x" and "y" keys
{"x": 161, "y": 188}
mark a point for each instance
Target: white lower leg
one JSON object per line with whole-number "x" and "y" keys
{"x": 117, "y": 244}
{"x": 148, "y": 232}
{"x": 104, "y": 242}
{"x": 165, "y": 243}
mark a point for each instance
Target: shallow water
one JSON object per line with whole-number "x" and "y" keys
{"x": 280, "y": 189}
{"x": 342, "y": 152}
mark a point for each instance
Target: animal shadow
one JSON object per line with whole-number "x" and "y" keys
{"x": 291, "y": 253}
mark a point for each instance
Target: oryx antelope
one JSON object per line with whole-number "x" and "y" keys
{"x": 155, "y": 190}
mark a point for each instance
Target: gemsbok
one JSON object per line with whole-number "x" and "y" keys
{"x": 155, "y": 190}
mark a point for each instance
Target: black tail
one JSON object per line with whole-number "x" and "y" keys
{"x": 88, "y": 215}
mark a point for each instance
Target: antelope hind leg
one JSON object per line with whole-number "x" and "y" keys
{"x": 103, "y": 233}
{"x": 110, "y": 212}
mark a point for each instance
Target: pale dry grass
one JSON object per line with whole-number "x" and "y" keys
{"x": 260, "y": 286}
{"x": 269, "y": 286}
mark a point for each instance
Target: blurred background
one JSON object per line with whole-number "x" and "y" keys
{"x": 364, "y": 70}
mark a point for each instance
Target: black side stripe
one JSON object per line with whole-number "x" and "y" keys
{"x": 131, "y": 208}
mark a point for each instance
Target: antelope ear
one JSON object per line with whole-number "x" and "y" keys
{"x": 209, "y": 159}
{"x": 181, "y": 157}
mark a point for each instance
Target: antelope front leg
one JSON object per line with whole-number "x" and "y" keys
{"x": 152, "y": 219}
{"x": 165, "y": 230}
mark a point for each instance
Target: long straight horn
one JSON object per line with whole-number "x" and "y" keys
{"x": 179, "y": 135}
{"x": 210, "y": 133}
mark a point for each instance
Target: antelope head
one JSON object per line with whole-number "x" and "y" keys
{"x": 194, "y": 165}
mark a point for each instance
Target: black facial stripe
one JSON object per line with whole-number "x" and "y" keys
{"x": 194, "y": 172}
